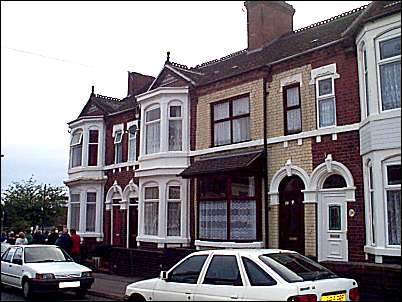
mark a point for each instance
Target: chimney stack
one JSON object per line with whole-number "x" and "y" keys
{"x": 266, "y": 21}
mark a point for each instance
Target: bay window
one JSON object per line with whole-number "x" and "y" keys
{"x": 325, "y": 94}
{"x": 227, "y": 208}
{"x": 365, "y": 80}
{"x": 151, "y": 210}
{"x": 91, "y": 211}
{"x": 371, "y": 205}
{"x": 292, "y": 109}
{"x": 175, "y": 128}
{"x": 389, "y": 69}
{"x": 393, "y": 202}
{"x": 173, "y": 211}
{"x": 76, "y": 149}
{"x": 118, "y": 150}
{"x": 132, "y": 142}
{"x": 152, "y": 130}
{"x": 75, "y": 203}
{"x": 231, "y": 121}
{"x": 93, "y": 148}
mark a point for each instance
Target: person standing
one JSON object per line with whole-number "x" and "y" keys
{"x": 38, "y": 238}
{"x": 11, "y": 238}
{"x": 21, "y": 239}
{"x": 75, "y": 245}
{"x": 51, "y": 239}
{"x": 3, "y": 236}
{"x": 28, "y": 236}
{"x": 64, "y": 241}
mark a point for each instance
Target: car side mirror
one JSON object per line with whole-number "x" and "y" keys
{"x": 164, "y": 275}
{"x": 17, "y": 261}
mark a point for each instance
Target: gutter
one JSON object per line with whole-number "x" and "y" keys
{"x": 265, "y": 169}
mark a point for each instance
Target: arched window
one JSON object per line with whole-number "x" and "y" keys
{"x": 173, "y": 210}
{"x": 93, "y": 147}
{"x": 132, "y": 142}
{"x": 151, "y": 209}
{"x": 334, "y": 181}
{"x": 91, "y": 212}
{"x": 75, "y": 201}
{"x": 175, "y": 128}
{"x": 76, "y": 149}
{"x": 152, "y": 130}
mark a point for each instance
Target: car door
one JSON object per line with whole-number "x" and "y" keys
{"x": 15, "y": 268}
{"x": 222, "y": 281}
{"x": 6, "y": 265}
{"x": 182, "y": 280}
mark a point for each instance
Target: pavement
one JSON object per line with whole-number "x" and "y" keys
{"x": 111, "y": 286}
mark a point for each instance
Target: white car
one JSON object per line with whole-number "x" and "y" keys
{"x": 238, "y": 274}
{"x": 42, "y": 269}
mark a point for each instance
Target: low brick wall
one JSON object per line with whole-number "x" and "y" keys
{"x": 377, "y": 282}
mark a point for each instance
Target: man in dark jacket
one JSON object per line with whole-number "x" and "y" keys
{"x": 64, "y": 241}
{"x": 53, "y": 236}
{"x": 38, "y": 238}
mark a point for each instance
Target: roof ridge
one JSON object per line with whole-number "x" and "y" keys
{"x": 182, "y": 66}
{"x": 391, "y": 4}
{"x": 220, "y": 59}
{"x": 331, "y": 19}
{"x": 108, "y": 98}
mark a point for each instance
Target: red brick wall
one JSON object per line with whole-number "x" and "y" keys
{"x": 346, "y": 151}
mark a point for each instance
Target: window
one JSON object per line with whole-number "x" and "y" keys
{"x": 325, "y": 93}
{"x": 227, "y": 208}
{"x": 256, "y": 275}
{"x": 75, "y": 211}
{"x": 76, "y": 149}
{"x": 132, "y": 143}
{"x": 151, "y": 211}
{"x": 393, "y": 202}
{"x": 371, "y": 203}
{"x": 173, "y": 211}
{"x": 292, "y": 109}
{"x": 231, "y": 121}
{"x": 223, "y": 270}
{"x": 389, "y": 69}
{"x": 93, "y": 148}
{"x": 118, "y": 150}
{"x": 91, "y": 211}
{"x": 17, "y": 255}
{"x": 152, "y": 129}
{"x": 334, "y": 218}
{"x": 188, "y": 271}
{"x": 334, "y": 181}
{"x": 365, "y": 80}
{"x": 8, "y": 254}
{"x": 175, "y": 128}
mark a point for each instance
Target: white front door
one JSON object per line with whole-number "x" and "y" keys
{"x": 332, "y": 227}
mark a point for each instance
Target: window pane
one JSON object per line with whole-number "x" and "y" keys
{"x": 394, "y": 217}
{"x": 151, "y": 218}
{"x": 76, "y": 137}
{"x": 174, "y": 192}
{"x": 221, "y": 111}
{"x": 175, "y": 111}
{"x": 241, "y": 106}
{"x": 223, "y": 270}
{"x": 132, "y": 146}
{"x": 243, "y": 186}
{"x": 222, "y": 133}
{"x": 292, "y": 96}
{"x": 75, "y": 198}
{"x": 153, "y": 115}
{"x": 175, "y": 135}
{"x": 173, "y": 215}
{"x": 372, "y": 217}
{"x": 327, "y": 112}
{"x": 93, "y": 136}
{"x": 151, "y": 193}
{"x": 213, "y": 219}
{"x": 334, "y": 181}
{"x": 189, "y": 270}
{"x": 118, "y": 153}
{"x": 390, "y": 78}
{"x": 293, "y": 118}
{"x": 118, "y": 136}
{"x": 212, "y": 188}
{"x": 241, "y": 129}
{"x": 256, "y": 275}
{"x": 132, "y": 131}
{"x": 91, "y": 214}
{"x": 75, "y": 216}
{"x": 92, "y": 154}
{"x": 325, "y": 87}
{"x": 153, "y": 138}
{"x": 390, "y": 48}
{"x": 91, "y": 197}
{"x": 243, "y": 217}
{"x": 18, "y": 254}
{"x": 334, "y": 218}
{"x": 76, "y": 156}
{"x": 394, "y": 174}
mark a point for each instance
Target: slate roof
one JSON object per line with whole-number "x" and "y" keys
{"x": 221, "y": 164}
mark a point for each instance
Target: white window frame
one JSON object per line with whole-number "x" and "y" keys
{"x": 118, "y": 142}
{"x": 323, "y": 97}
{"x": 394, "y": 33}
{"x": 386, "y": 188}
{"x": 86, "y": 210}
{"x": 89, "y": 143}
{"x": 175, "y": 104}
{"x": 132, "y": 139}
{"x": 371, "y": 218}
{"x": 366, "y": 93}
{"x": 152, "y": 185}
{"x": 178, "y": 201}
{"x": 79, "y": 209}
{"x": 72, "y": 146}
{"x": 149, "y": 123}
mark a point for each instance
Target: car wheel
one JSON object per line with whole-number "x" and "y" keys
{"x": 26, "y": 290}
{"x": 136, "y": 298}
{"x": 81, "y": 292}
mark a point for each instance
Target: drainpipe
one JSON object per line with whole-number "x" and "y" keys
{"x": 265, "y": 169}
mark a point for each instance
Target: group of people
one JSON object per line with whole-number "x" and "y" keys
{"x": 71, "y": 243}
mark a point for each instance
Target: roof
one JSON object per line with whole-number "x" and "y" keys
{"x": 299, "y": 41}
{"x": 222, "y": 164}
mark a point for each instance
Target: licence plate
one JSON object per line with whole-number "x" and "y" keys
{"x": 337, "y": 297}
{"x": 69, "y": 284}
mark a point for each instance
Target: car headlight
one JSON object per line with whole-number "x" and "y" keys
{"x": 86, "y": 274}
{"x": 44, "y": 276}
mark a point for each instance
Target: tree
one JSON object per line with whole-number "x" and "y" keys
{"x": 25, "y": 204}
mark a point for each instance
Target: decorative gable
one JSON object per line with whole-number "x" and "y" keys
{"x": 168, "y": 78}
{"x": 91, "y": 109}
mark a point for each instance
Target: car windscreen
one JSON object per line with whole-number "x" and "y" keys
{"x": 294, "y": 267}
{"x": 45, "y": 254}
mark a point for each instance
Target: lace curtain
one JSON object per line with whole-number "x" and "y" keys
{"x": 175, "y": 135}
{"x": 222, "y": 133}
{"x": 75, "y": 216}
{"x": 76, "y": 155}
{"x": 390, "y": 85}
{"x": 91, "y": 212}
{"x": 241, "y": 129}
{"x": 327, "y": 112}
{"x": 174, "y": 213}
{"x": 151, "y": 217}
{"x": 153, "y": 137}
{"x": 394, "y": 217}
{"x": 213, "y": 220}
{"x": 243, "y": 224}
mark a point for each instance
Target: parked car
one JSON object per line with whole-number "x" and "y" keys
{"x": 260, "y": 274}
{"x": 4, "y": 246}
{"x": 43, "y": 269}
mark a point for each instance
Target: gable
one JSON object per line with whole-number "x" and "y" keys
{"x": 168, "y": 78}
{"x": 91, "y": 109}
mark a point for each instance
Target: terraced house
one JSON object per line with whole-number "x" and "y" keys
{"x": 292, "y": 142}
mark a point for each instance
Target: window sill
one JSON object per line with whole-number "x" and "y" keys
{"x": 383, "y": 251}
{"x": 228, "y": 244}
{"x": 157, "y": 239}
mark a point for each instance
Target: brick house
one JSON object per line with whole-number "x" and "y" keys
{"x": 261, "y": 148}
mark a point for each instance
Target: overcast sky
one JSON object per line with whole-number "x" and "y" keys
{"x": 51, "y": 54}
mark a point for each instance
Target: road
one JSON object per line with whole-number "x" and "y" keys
{"x": 11, "y": 294}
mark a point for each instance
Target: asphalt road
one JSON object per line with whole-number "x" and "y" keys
{"x": 12, "y": 294}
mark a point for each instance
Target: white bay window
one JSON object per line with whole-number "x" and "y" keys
{"x": 151, "y": 210}
{"x": 91, "y": 212}
{"x": 173, "y": 211}
{"x": 76, "y": 149}
{"x": 175, "y": 128}
{"x": 152, "y": 130}
{"x": 75, "y": 204}
{"x": 393, "y": 202}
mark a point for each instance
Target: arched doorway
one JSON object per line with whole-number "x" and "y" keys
{"x": 291, "y": 214}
